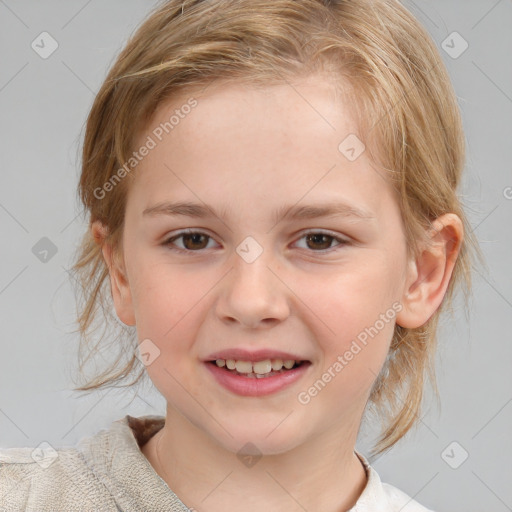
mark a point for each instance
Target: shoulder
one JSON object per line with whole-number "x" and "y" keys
{"x": 106, "y": 471}
{"x": 400, "y": 501}
{"x": 382, "y": 497}
{"x": 46, "y": 479}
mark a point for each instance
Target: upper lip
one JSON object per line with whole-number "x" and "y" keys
{"x": 241, "y": 354}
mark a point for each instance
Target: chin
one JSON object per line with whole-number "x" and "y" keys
{"x": 258, "y": 439}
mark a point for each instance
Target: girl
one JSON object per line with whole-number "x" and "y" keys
{"x": 272, "y": 190}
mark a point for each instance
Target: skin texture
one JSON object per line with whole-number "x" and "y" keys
{"x": 247, "y": 152}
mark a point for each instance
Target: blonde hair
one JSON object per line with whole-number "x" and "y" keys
{"x": 404, "y": 100}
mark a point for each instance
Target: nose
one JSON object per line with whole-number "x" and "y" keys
{"x": 252, "y": 294}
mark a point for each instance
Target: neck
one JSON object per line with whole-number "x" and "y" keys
{"x": 324, "y": 474}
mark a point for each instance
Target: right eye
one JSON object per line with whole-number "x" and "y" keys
{"x": 192, "y": 241}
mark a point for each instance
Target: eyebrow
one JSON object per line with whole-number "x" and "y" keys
{"x": 312, "y": 211}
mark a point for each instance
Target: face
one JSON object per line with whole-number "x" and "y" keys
{"x": 290, "y": 250}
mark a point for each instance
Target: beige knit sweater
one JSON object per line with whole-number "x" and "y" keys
{"x": 108, "y": 472}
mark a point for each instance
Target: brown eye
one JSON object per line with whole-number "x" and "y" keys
{"x": 191, "y": 241}
{"x": 195, "y": 241}
{"x": 318, "y": 241}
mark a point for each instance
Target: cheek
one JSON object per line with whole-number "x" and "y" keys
{"x": 167, "y": 305}
{"x": 163, "y": 296}
{"x": 351, "y": 300}
{"x": 353, "y": 322}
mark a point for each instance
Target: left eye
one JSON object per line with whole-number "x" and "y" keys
{"x": 194, "y": 241}
{"x": 322, "y": 241}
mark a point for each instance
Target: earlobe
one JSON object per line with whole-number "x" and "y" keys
{"x": 120, "y": 288}
{"x": 429, "y": 275}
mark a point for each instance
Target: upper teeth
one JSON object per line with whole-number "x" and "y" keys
{"x": 259, "y": 367}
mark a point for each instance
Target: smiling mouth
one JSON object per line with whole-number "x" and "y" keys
{"x": 258, "y": 369}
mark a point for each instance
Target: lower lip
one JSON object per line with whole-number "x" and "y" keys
{"x": 252, "y": 386}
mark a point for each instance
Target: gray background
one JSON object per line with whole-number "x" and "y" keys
{"x": 44, "y": 103}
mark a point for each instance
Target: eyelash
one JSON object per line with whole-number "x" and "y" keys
{"x": 169, "y": 242}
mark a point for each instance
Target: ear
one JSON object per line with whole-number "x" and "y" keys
{"x": 428, "y": 277}
{"x": 120, "y": 289}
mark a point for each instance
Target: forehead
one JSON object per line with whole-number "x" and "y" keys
{"x": 257, "y": 144}
{"x": 321, "y": 100}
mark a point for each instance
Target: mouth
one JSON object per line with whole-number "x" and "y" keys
{"x": 257, "y": 378}
{"x": 263, "y": 369}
